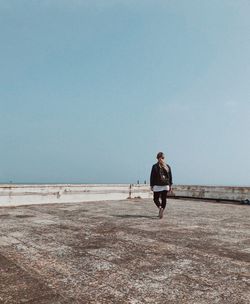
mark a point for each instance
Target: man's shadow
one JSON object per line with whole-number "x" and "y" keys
{"x": 135, "y": 216}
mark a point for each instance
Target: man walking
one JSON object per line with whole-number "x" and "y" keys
{"x": 161, "y": 182}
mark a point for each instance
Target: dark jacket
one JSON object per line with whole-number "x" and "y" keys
{"x": 155, "y": 177}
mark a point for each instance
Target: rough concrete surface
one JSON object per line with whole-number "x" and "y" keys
{"x": 121, "y": 252}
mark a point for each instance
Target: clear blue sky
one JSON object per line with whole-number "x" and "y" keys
{"x": 91, "y": 90}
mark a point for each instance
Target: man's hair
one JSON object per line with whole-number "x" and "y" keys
{"x": 159, "y": 155}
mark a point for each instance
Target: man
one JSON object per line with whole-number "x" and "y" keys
{"x": 161, "y": 182}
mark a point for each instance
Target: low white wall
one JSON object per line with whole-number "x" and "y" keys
{"x": 13, "y": 195}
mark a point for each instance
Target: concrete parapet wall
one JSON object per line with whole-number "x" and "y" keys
{"x": 13, "y": 195}
{"x": 212, "y": 192}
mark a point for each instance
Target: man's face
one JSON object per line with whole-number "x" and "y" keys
{"x": 161, "y": 159}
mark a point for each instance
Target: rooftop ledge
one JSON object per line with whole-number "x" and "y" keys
{"x": 14, "y": 194}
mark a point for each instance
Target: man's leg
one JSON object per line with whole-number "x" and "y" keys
{"x": 163, "y": 199}
{"x": 156, "y": 199}
{"x": 163, "y": 195}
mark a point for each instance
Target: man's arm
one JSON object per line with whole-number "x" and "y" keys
{"x": 170, "y": 179}
{"x": 152, "y": 178}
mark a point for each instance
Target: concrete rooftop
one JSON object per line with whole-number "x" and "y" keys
{"x": 120, "y": 252}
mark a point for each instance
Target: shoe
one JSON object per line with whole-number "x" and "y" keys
{"x": 161, "y": 213}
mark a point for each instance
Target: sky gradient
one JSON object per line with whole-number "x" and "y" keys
{"x": 90, "y": 91}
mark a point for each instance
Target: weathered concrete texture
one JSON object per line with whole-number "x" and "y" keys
{"x": 120, "y": 252}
